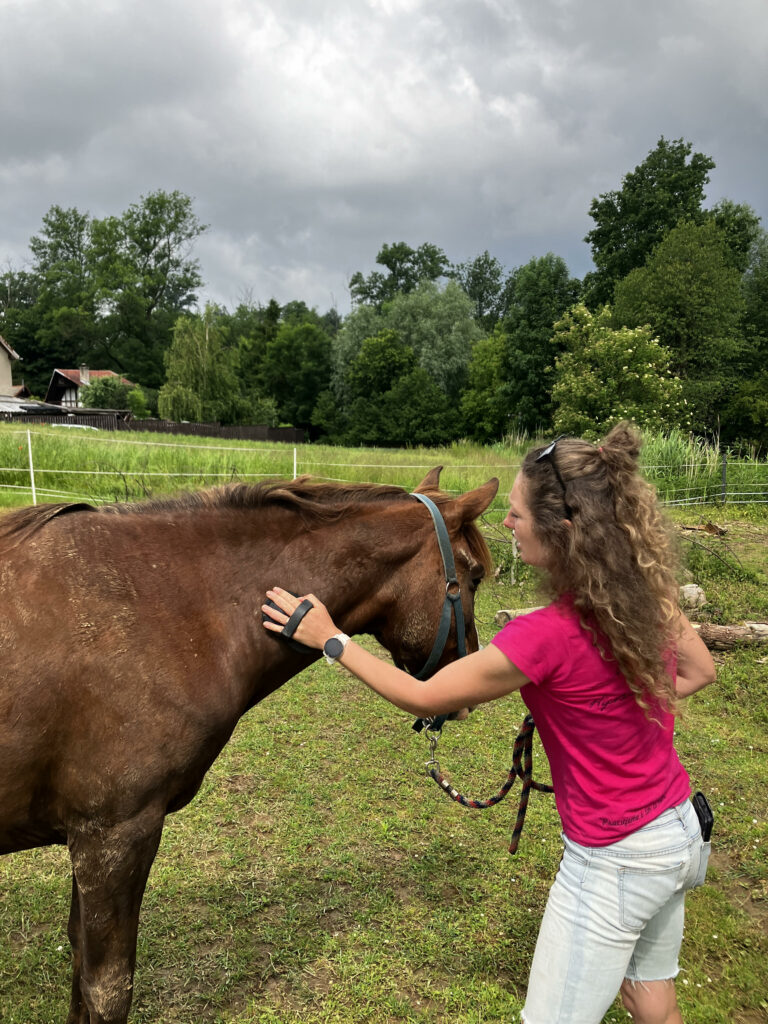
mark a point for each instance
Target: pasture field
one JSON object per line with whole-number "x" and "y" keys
{"x": 320, "y": 878}
{"x": 97, "y": 466}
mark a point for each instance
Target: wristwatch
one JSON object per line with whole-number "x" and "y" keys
{"x": 334, "y": 647}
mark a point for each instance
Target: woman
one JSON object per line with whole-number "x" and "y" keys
{"x": 600, "y": 669}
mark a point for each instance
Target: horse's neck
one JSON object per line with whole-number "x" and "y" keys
{"x": 368, "y": 553}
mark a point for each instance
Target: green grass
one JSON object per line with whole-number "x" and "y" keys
{"x": 320, "y": 878}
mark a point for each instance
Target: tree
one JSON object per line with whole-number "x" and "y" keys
{"x": 146, "y": 278}
{"x": 250, "y": 328}
{"x": 485, "y": 411}
{"x": 740, "y": 227}
{"x": 297, "y": 368}
{"x": 381, "y": 361}
{"x": 539, "y": 293}
{"x": 114, "y": 393}
{"x": 690, "y": 294}
{"x": 605, "y": 375}
{"x": 62, "y": 251}
{"x": 509, "y": 376}
{"x": 414, "y": 411}
{"x": 483, "y": 280}
{"x": 377, "y": 368}
{"x": 105, "y": 393}
{"x": 18, "y": 323}
{"x": 747, "y": 411}
{"x": 406, "y": 267}
{"x": 439, "y": 327}
{"x": 665, "y": 188}
{"x": 329, "y": 419}
{"x": 388, "y": 399}
{"x": 107, "y": 292}
{"x": 59, "y": 327}
{"x": 417, "y": 412}
{"x": 754, "y": 286}
{"x": 201, "y": 384}
{"x": 436, "y": 323}
{"x": 363, "y": 322}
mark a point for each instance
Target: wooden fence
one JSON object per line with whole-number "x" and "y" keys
{"x": 111, "y": 419}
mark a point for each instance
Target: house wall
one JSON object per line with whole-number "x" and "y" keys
{"x": 5, "y": 372}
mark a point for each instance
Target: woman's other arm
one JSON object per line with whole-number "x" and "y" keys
{"x": 695, "y": 667}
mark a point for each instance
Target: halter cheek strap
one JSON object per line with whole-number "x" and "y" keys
{"x": 451, "y": 607}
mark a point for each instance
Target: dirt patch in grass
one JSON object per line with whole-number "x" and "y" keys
{"x": 741, "y": 889}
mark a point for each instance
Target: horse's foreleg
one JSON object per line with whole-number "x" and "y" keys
{"x": 78, "y": 1013}
{"x": 110, "y": 866}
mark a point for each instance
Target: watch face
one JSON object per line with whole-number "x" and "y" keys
{"x": 333, "y": 647}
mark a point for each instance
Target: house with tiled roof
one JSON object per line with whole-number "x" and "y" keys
{"x": 64, "y": 388}
{"x": 6, "y": 356}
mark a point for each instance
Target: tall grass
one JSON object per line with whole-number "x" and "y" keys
{"x": 104, "y": 466}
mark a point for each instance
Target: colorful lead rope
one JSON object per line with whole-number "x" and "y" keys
{"x": 522, "y": 768}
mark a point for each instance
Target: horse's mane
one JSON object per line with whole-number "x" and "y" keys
{"x": 21, "y": 523}
{"x": 316, "y": 501}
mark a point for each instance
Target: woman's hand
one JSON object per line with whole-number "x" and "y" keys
{"x": 314, "y": 629}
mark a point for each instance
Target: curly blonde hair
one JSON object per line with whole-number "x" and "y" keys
{"x": 613, "y": 557}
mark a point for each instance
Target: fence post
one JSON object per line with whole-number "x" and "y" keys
{"x": 31, "y": 468}
{"x": 723, "y": 477}
{"x": 295, "y": 474}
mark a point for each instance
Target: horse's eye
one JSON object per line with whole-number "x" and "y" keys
{"x": 474, "y": 583}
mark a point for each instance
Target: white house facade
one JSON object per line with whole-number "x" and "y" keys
{"x": 7, "y": 355}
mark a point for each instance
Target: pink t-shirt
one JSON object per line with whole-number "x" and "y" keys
{"x": 613, "y": 768}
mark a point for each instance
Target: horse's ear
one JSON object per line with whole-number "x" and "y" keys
{"x": 467, "y": 507}
{"x": 431, "y": 481}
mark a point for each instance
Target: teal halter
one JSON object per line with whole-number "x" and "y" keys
{"x": 452, "y": 604}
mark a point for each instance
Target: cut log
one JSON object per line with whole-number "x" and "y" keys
{"x": 711, "y": 528}
{"x": 725, "y": 638}
{"x": 505, "y": 615}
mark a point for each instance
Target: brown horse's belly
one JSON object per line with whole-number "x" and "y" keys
{"x": 28, "y": 836}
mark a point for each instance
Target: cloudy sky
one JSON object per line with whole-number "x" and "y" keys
{"x": 310, "y": 132}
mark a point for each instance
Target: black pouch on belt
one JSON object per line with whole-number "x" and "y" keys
{"x": 704, "y": 814}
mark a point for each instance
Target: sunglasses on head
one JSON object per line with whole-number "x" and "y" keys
{"x": 549, "y": 454}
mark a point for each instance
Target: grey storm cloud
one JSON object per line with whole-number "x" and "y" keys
{"x": 310, "y": 132}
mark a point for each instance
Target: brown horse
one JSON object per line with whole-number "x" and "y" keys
{"x": 131, "y": 644}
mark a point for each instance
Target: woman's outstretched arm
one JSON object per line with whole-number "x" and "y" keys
{"x": 473, "y": 680}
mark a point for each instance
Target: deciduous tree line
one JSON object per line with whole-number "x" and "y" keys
{"x": 670, "y": 329}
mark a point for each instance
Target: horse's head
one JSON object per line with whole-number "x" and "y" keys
{"x": 421, "y": 628}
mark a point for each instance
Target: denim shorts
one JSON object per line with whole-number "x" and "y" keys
{"x": 614, "y": 912}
